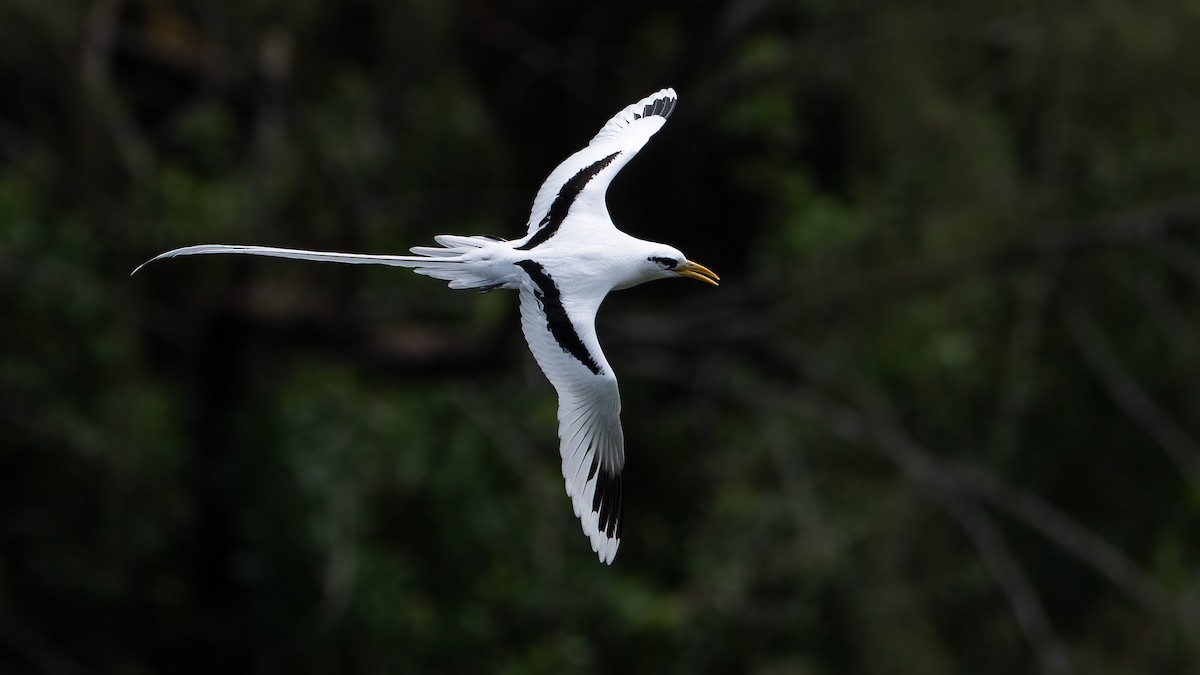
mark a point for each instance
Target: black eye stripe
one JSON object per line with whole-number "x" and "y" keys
{"x": 665, "y": 262}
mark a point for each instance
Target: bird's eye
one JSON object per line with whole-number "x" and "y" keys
{"x": 667, "y": 263}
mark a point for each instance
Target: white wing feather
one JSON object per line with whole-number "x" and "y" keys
{"x": 625, "y": 134}
{"x": 589, "y": 423}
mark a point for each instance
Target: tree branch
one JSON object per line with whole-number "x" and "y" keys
{"x": 1131, "y": 398}
{"x": 1072, "y": 537}
{"x": 868, "y": 421}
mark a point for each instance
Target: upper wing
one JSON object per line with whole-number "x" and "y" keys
{"x": 581, "y": 181}
{"x": 589, "y": 406}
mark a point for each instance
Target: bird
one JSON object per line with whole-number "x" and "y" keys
{"x": 570, "y": 258}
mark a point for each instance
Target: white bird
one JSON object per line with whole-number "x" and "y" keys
{"x": 564, "y": 266}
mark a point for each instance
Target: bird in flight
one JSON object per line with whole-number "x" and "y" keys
{"x": 569, "y": 259}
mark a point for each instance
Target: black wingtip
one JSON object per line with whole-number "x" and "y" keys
{"x": 661, "y": 107}
{"x": 607, "y": 503}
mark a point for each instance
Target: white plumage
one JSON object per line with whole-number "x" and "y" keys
{"x": 569, "y": 259}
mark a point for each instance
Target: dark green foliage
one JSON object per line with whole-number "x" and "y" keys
{"x": 941, "y": 417}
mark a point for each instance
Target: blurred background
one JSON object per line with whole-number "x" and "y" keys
{"x": 941, "y": 417}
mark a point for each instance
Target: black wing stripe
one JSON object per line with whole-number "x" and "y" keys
{"x": 557, "y": 321}
{"x": 561, "y": 205}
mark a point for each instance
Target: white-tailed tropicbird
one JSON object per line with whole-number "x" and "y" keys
{"x": 564, "y": 266}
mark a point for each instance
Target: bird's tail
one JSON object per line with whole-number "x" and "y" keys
{"x": 451, "y": 262}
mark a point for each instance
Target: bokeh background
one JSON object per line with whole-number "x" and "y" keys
{"x": 941, "y": 417}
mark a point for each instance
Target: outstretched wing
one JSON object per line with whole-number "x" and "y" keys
{"x": 589, "y": 406}
{"x": 579, "y": 184}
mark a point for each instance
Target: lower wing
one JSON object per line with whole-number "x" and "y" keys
{"x": 589, "y": 408}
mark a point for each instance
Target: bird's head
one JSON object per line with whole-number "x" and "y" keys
{"x": 665, "y": 262}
